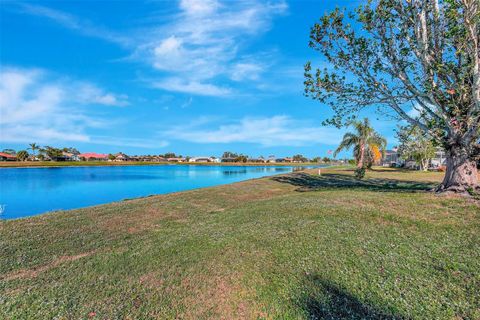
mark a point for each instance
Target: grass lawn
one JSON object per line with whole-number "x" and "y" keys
{"x": 296, "y": 246}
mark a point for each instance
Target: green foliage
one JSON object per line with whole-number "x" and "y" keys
{"x": 359, "y": 173}
{"x": 416, "y": 145}
{"x": 53, "y": 153}
{"x": 169, "y": 155}
{"x": 363, "y": 140}
{"x": 394, "y": 54}
{"x": 9, "y": 151}
{"x": 22, "y": 155}
{"x": 299, "y": 158}
{"x": 111, "y": 157}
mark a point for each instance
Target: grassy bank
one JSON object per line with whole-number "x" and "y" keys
{"x": 21, "y": 164}
{"x": 296, "y": 246}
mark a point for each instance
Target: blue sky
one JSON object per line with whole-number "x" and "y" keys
{"x": 195, "y": 77}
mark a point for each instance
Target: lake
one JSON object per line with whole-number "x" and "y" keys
{"x": 31, "y": 191}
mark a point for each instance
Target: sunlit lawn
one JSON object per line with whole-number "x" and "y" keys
{"x": 297, "y": 246}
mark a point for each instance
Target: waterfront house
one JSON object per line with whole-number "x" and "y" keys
{"x": 7, "y": 157}
{"x": 257, "y": 160}
{"x": 229, "y": 159}
{"x": 92, "y": 156}
{"x": 177, "y": 159}
{"x": 121, "y": 157}
{"x": 203, "y": 159}
{"x": 68, "y": 156}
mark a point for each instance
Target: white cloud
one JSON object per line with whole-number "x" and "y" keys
{"x": 205, "y": 42}
{"x": 192, "y": 87}
{"x": 34, "y": 106}
{"x": 249, "y": 71}
{"x": 91, "y": 94}
{"x": 273, "y": 131}
{"x": 199, "y": 7}
{"x": 72, "y": 22}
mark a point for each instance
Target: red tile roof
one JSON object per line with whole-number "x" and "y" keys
{"x": 6, "y": 155}
{"x": 93, "y": 155}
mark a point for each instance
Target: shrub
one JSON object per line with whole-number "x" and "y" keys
{"x": 359, "y": 173}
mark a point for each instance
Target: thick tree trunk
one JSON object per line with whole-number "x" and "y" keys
{"x": 461, "y": 174}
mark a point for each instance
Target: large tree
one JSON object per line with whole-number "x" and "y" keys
{"x": 414, "y": 60}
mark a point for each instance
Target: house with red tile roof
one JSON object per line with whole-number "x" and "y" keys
{"x": 7, "y": 157}
{"x": 89, "y": 156}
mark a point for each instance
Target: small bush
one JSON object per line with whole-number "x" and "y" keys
{"x": 359, "y": 173}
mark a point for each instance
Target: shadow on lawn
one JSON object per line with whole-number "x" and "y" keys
{"x": 325, "y": 300}
{"x": 308, "y": 182}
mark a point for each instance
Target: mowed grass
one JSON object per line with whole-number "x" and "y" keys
{"x": 296, "y": 246}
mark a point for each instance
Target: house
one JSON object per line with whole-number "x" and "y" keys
{"x": 7, "y": 157}
{"x": 176, "y": 159}
{"x": 392, "y": 159}
{"x": 439, "y": 160}
{"x": 271, "y": 159}
{"x": 68, "y": 156}
{"x": 92, "y": 156}
{"x": 202, "y": 159}
{"x": 257, "y": 160}
{"x": 229, "y": 159}
{"x": 121, "y": 157}
{"x": 284, "y": 160}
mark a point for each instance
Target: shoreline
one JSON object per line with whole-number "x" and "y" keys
{"x": 167, "y": 255}
{"x": 66, "y": 164}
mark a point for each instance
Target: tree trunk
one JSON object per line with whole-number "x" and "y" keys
{"x": 362, "y": 157}
{"x": 461, "y": 174}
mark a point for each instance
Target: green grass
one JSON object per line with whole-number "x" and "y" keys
{"x": 296, "y": 246}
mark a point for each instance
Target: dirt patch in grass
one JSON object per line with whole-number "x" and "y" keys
{"x": 34, "y": 272}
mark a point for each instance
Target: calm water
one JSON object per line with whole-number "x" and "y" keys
{"x": 31, "y": 191}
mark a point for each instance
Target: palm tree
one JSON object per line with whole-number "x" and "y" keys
{"x": 363, "y": 141}
{"x": 34, "y": 147}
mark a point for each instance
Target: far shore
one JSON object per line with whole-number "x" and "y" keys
{"x": 25, "y": 164}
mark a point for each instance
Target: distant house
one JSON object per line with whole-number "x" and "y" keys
{"x": 392, "y": 159}
{"x": 92, "y": 156}
{"x": 284, "y": 160}
{"x": 257, "y": 160}
{"x": 439, "y": 160}
{"x": 229, "y": 159}
{"x": 7, "y": 157}
{"x": 202, "y": 159}
{"x": 176, "y": 159}
{"x": 121, "y": 157}
{"x": 271, "y": 159}
{"x": 68, "y": 156}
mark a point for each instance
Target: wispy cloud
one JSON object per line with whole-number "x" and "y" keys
{"x": 37, "y": 106}
{"x": 69, "y": 21}
{"x": 192, "y": 87}
{"x": 198, "y": 50}
{"x": 271, "y": 131}
{"x": 205, "y": 41}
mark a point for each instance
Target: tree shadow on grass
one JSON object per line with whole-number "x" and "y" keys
{"x": 307, "y": 182}
{"x": 323, "y": 299}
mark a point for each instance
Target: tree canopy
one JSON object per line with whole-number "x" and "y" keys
{"x": 412, "y": 60}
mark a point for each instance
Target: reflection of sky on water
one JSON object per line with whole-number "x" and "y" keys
{"x": 30, "y": 191}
